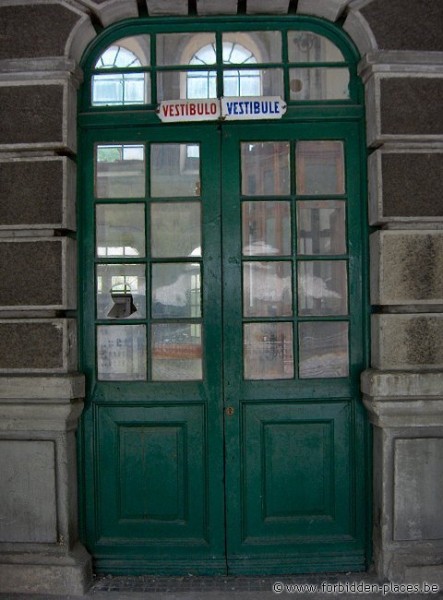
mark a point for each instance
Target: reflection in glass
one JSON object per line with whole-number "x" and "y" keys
{"x": 321, "y": 227}
{"x": 268, "y": 351}
{"x": 176, "y": 351}
{"x": 175, "y": 170}
{"x": 121, "y": 291}
{"x": 121, "y": 352}
{"x": 320, "y": 167}
{"x": 267, "y": 289}
{"x": 120, "y": 230}
{"x": 241, "y": 48}
{"x": 176, "y": 290}
{"x": 265, "y": 168}
{"x": 175, "y": 49}
{"x": 322, "y": 288}
{"x": 175, "y": 229}
{"x": 126, "y": 53}
{"x": 305, "y": 46}
{"x": 253, "y": 82}
{"x": 175, "y": 85}
{"x": 266, "y": 228}
{"x": 120, "y": 171}
{"x": 123, "y": 88}
{"x": 319, "y": 83}
{"x": 323, "y": 350}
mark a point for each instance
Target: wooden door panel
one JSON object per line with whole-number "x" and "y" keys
{"x": 152, "y": 474}
{"x": 296, "y": 465}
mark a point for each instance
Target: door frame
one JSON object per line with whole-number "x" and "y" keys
{"x": 94, "y": 120}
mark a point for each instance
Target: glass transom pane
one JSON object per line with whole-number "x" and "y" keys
{"x": 306, "y": 46}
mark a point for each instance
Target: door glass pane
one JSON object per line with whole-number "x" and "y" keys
{"x": 120, "y": 171}
{"x": 246, "y": 47}
{"x": 321, "y": 227}
{"x": 121, "y": 292}
{"x": 175, "y": 229}
{"x": 121, "y": 352}
{"x": 305, "y": 46}
{"x": 176, "y": 290}
{"x": 266, "y": 228}
{"x": 176, "y": 351}
{"x": 323, "y": 349}
{"x": 322, "y": 288}
{"x": 268, "y": 351}
{"x": 267, "y": 289}
{"x": 120, "y": 230}
{"x": 265, "y": 168}
{"x": 175, "y": 170}
{"x": 320, "y": 167}
{"x": 319, "y": 83}
{"x": 253, "y": 82}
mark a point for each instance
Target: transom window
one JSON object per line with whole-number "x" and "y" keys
{"x": 298, "y": 65}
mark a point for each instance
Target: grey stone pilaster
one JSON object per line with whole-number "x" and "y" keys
{"x": 406, "y": 410}
{"x": 39, "y": 547}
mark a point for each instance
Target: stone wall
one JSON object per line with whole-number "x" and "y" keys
{"x": 41, "y": 43}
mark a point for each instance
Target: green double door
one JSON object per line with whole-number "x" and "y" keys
{"x": 223, "y": 338}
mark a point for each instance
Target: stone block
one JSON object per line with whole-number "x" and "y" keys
{"x": 398, "y": 25}
{"x": 407, "y": 342}
{"x": 37, "y": 273}
{"x": 39, "y": 548}
{"x": 213, "y": 7}
{"x": 418, "y": 489}
{"x": 26, "y": 30}
{"x": 28, "y": 511}
{"x": 37, "y": 193}
{"x": 404, "y": 108}
{"x": 405, "y": 185}
{"x": 38, "y": 345}
{"x": 406, "y": 267}
{"x": 38, "y": 115}
{"x": 358, "y": 28}
{"x": 411, "y": 105}
{"x": 406, "y": 409}
{"x": 167, "y": 7}
{"x": 111, "y": 11}
{"x": 327, "y": 9}
{"x": 276, "y": 7}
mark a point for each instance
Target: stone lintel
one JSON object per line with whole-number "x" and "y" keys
{"x": 402, "y": 384}
{"x": 50, "y": 389}
{"x": 18, "y": 418}
{"x": 401, "y": 62}
{"x": 326, "y": 9}
{"x": 396, "y": 399}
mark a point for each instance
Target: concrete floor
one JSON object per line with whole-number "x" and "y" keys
{"x": 321, "y": 587}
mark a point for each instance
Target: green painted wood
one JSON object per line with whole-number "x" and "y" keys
{"x": 226, "y": 475}
{"x": 295, "y": 467}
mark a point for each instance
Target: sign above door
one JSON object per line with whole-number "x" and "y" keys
{"x": 224, "y": 109}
